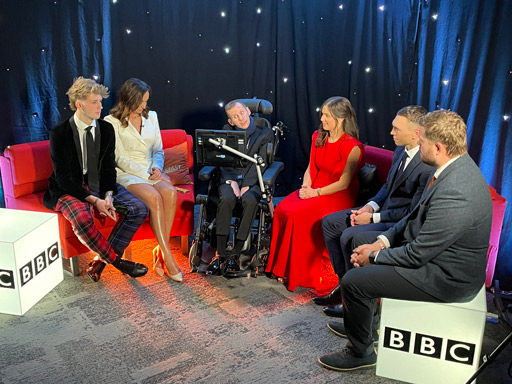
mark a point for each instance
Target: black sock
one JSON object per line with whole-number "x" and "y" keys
{"x": 237, "y": 249}
{"x": 115, "y": 263}
{"x": 222, "y": 241}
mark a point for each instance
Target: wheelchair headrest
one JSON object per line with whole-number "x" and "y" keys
{"x": 258, "y": 105}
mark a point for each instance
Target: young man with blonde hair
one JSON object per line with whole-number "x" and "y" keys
{"x": 83, "y": 181}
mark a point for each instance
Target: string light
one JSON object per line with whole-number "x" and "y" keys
{"x": 506, "y": 117}
{"x": 221, "y": 104}
{"x": 258, "y": 11}
{"x": 370, "y": 110}
{"x": 128, "y": 31}
{"x": 340, "y": 6}
{"x": 434, "y": 16}
{"x": 381, "y": 8}
{"x": 349, "y": 62}
{"x": 445, "y": 82}
{"x": 367, "y": 69}
{"x": 222, "y": 14}
{"x": 258, "y": 44}
{"x": 227, "y": 50}
{"x": 285, "y": 79}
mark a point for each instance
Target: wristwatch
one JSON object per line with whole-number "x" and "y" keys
{"x": 371, "y": 258}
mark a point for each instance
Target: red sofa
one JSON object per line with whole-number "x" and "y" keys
{"x": 382, "y": 159}
{"x": 25, "y": 169}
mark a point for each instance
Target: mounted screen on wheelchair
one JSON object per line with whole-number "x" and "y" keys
{"x": 212, "y": 154}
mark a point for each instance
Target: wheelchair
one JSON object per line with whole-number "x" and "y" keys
{"x": 255, "y": 251}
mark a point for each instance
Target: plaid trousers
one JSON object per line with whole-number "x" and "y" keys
{"x": 132, "y": 212}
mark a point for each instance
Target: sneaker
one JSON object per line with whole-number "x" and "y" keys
{"x": 347, "y": 360}
{"x": 339, "y": 329}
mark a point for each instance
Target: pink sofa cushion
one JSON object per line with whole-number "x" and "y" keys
{"x": 381, "y": 158}
{"x": 499, "y": 203}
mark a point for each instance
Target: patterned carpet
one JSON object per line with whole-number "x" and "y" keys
{"x": 208, "y": 329}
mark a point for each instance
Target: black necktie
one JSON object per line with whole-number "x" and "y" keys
{"x": 92, "y": 162}
{"x": 402, "y": 164}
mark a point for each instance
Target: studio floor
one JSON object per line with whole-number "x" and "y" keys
{"x": 207, "y": 329}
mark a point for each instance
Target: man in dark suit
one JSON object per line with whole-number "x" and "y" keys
{"x": 239, "y": 184}
{"x": 437, "y": 253}
{"x": 404, "y": 185}
{"x": 83, "y": 181}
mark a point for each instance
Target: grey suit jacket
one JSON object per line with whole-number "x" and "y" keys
{"x": 441, "y": 246}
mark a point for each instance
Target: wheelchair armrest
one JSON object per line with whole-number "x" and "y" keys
{"x": 270, "y": 175}
{"x": 206, "y": 172}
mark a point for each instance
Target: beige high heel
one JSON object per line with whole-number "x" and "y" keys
{"x": 157, "y": 262}
{"x": 176, "y": 277}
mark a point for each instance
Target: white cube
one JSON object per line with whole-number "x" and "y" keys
{"x": 423, "y": 342}
{"x": 30, "y": 258}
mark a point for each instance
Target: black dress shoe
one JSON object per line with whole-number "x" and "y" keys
{"x": 334, "y": 310}
{"x": 214, "y": 268}
{"x": 95, "y": 269}
{"x": 333, "y": 297}
{"x": 231, "y": 267}
{"x": 130, "y": 268}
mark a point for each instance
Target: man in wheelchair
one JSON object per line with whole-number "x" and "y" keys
{"x": 239, "y": 185}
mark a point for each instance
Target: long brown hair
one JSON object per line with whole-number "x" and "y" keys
{"x": 128, "y": 100}
{"x": 339, "y": 107}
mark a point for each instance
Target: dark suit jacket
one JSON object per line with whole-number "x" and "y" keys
{"x": 397, "y": 197}
{"x": 248, "y": 176}
{"x": 65, "y": 151}
{"x": 441, "y": 246}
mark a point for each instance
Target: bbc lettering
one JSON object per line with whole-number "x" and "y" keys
{"x": 429, "y": 346}
{"x": 6, "y": 279}
{"x": 39, "y": 264}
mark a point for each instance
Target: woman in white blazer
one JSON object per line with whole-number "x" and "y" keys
{"x": 140, "y": 161}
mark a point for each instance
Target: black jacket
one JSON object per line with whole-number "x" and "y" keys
{"x": 67, "y": 176}
{"x": 257, "y": 143}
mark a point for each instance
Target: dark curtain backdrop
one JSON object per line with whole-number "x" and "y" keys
{"x": 199, "y": 54}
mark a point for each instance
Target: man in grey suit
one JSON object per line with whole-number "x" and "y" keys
{"x": 437, "y": 253}
{"x": 407, "y": 178}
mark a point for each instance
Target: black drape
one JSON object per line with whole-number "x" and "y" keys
{"x": 199, "y": 54}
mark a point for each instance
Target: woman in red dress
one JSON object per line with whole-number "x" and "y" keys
{"x": 330, "y": 184}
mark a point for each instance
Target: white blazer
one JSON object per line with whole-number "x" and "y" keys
{"x": 137, "y": 153}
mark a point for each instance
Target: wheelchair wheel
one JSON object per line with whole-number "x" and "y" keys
{"x": 194, "y": 256}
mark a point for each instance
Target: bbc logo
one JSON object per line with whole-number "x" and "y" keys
{"x": 6, "y": 279}
{"x": 39, "y": 263}
{"x": 429, "y": 346}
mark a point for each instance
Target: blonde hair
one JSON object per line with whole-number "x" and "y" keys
{"x": 447, "y": 128}
{"x": 81, "y": 88}
{"x": 129, "y": 98}
{"x": 339, "y": 107}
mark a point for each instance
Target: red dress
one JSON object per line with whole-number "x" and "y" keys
{"x": 297, "y": 250}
